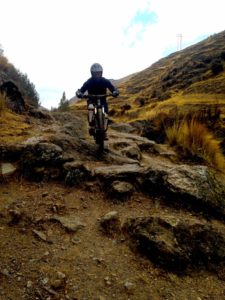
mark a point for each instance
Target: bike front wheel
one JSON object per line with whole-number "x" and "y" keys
{"x": 100, "y": 133}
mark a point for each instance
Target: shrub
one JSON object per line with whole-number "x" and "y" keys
{"x": 194, "y": 140}
{"x": 216, "y": 67}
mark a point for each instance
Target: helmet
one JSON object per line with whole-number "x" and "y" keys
{"x": 96, "y": 68}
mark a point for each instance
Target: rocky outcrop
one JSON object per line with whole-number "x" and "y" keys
{"x": 13, "y": 97}
{"x": 183, "y": 228}
{"x": 131, "y": 163}
{"x": 177, "y": 242}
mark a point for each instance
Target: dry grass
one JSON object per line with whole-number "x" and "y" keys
{"x": 210, "y": 109}
{"x": 13, "y": 128}
{"x": 185, "y": 120}
{"x": 194, "y": 140}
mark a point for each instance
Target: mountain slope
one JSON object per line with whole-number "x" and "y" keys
{"x": 181, "y": 71}
{"x": 185, "y": 84}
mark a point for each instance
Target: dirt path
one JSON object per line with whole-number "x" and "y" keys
{"x": 40, "y": 259}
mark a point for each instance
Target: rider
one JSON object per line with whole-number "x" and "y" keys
{"x": 97, "y": 85}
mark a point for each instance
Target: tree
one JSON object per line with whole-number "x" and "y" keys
{"x": 64, "y": 103}
{"x": 28, "y": 89}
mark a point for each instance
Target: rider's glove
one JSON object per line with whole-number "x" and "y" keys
{"x": 79, "y": 94}
{"x": 115, "y": 93}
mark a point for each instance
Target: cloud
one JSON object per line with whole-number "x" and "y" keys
{"x": 56, "y": 41}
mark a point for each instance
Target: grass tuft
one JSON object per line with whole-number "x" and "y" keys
{"x": 194, "y": 140}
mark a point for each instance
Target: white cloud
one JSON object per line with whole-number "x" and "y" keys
{"x": 56, "y": 41}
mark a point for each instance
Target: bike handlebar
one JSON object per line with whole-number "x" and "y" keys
{"x": 96, "y": 96}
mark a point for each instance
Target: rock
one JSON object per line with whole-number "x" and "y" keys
{"x": 178, "y": 242}
{"x": 41, "y": 161}
{"x": 41, "y": 235}
{"x": 76, "y": 240}
{"x": 164, "y": 150}
{"x": 76, "y": 172}
{"x": 11, "y": 152}
{"x": 13, "y": 97}
{"x": 123, "y": 127}
{"x": 108, "y": 281}
{"x": 118, "y": 171}
{"x": 147, "y": 146}
{"x": 57, "y": 280}
{"x": 195, "y": 186}
{"x": 5, "y": 272}
{"x": 35, "y": 154}
{"x": 110, "y": 223}
{"x": 132, "y": 152}
{"x": 7, "y": 169}
{"x": 29, "y": 284}
{"x": 120, "y": 189}
{"x": 69, "y": 222}
{"x": 129, "y": 286}
{"x": 197, "y": 183}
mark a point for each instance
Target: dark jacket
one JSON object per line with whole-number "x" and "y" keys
{"x": 97, "y": 86}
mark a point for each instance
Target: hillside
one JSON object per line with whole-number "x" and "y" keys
{"x": 197, "y": 69}
{"x": 190, "y": 82}
{"x": 143, "y": 220}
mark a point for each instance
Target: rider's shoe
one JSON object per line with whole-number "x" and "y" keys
{"x": 91, "y": 131}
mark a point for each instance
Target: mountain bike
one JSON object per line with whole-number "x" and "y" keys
{"x": 97, "y": 118}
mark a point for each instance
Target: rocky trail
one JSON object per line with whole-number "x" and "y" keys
{"x": 133, "y": 223}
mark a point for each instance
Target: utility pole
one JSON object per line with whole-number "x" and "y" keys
{"x": 179, "y": 41}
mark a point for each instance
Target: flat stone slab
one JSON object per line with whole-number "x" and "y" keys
{"x": 7, "y": 169}
{"x": 70, "y": 223}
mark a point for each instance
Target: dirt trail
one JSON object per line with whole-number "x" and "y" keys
{"x": 52, "y": 244}
{"x": 39, "y": 259}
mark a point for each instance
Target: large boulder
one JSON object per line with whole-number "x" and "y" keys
{"x": 41, "y": 161}
{"x": 176, "y": 242}
{"x": 197, "y": 186}
{"x": 14, "y": 98}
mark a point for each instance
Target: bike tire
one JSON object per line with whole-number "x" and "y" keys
{"x": 100, "y": 118}
{"x": 100, "y": 131}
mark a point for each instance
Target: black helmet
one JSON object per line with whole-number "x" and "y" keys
{"x": 96, "y": 69}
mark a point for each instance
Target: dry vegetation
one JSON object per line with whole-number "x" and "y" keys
{"x": 13, "y": 127}
{"x": 193, "y": 140}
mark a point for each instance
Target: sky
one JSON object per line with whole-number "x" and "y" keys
{"x": 56, "y": 41}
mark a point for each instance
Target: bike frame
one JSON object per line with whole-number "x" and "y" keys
{"x": 99, "y": 118}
